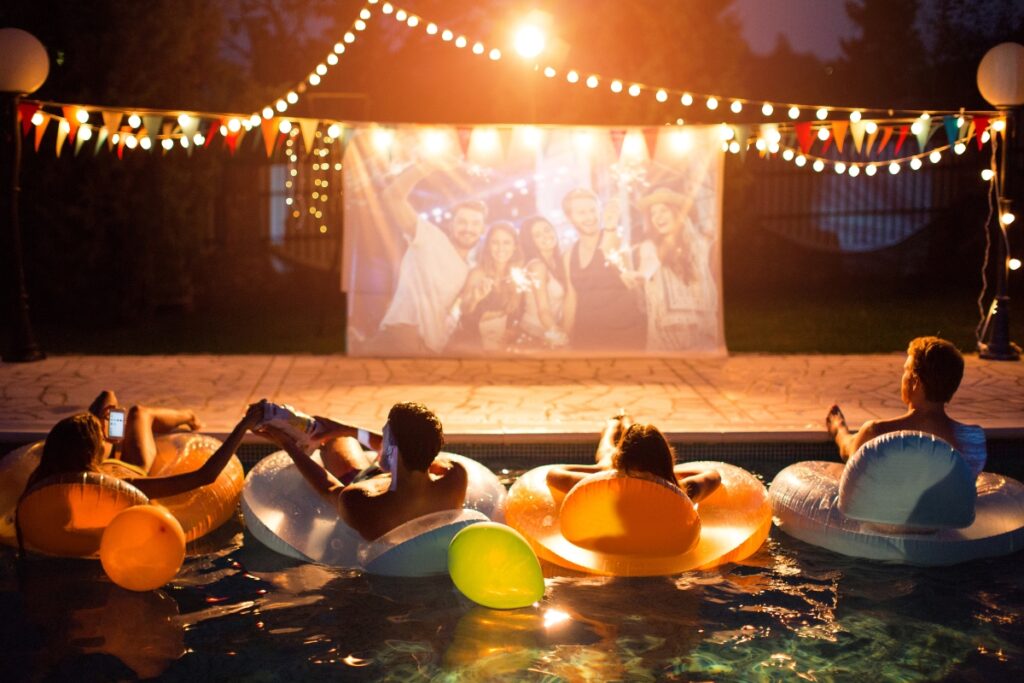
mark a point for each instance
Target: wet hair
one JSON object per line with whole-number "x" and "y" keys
{"x": 578, "y": 193}
{"x": 472, "y": 205}
{"x": 73, "y": 445}
{"x": 938, "y": 365}
{"x": 644, "y": 449}
{"x": 417, "y": 433}
{"x": 529, "y": 249}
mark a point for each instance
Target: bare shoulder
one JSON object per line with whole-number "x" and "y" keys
{"x": 448, "y": 470}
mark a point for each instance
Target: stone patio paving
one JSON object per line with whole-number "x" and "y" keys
{"x": 742, "y": 397}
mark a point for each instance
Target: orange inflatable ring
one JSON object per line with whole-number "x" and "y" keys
{"x": 66, "y": 515}
{"x": 621, "y": 525}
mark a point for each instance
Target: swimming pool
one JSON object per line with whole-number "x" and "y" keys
{"x": 791, "y": 611}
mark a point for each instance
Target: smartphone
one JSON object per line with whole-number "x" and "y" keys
{"x": 115, "y": 424}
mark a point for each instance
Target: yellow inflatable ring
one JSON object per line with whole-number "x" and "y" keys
{"x": 66, "y": 515}
{"x": 730, "y": 524}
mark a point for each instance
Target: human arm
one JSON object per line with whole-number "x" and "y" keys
{"x": 847, "y": 441}
{"x": 332, "y": 429}
{"x": 697, "y": 482}
{"x": 396, "y": 197}
{"x": 561, "y": 478}
{"x": 477, "y": 287}
{"x": 172, "y": 485}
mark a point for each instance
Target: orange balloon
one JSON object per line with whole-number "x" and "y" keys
{"x": 142, "y": 548}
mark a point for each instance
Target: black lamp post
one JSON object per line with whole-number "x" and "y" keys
{"x": 23, "y": 68}
{"x": 1001, "y": 82}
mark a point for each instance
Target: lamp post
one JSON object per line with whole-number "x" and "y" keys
{"x": 23, "y": 68}
{"x": 1001, "y": 83}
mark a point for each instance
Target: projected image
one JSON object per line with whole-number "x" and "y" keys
{"x": 512, "y": 241}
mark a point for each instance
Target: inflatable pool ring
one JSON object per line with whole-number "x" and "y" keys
{"x": 905, "y": 497}
{"x": 65, "y": 515}
{"x": 284, "y": 513}
{"x": 621, "y": 525}
{"x": 419, "y": 547}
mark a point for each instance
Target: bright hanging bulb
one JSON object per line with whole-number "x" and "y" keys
{"x": 634, "y": 90}
{"x": 131, "y": 142}
{"x": 292, "y": 97}
{"x": 935, "y": 157}
{"x": 915, "y": 164}
{"x": 285, "y": 127}
{"x": 199, "y": 139}
{"x": 254, "y": 120}
{"x": 364, "y": 14}
{"x": 988, "y": 174}
{"x": 339, "y": 48}
{"x": 959, "y": 122}
{"x": 855, "y": 116}
{"x": 332, "y": 59}
{"x": 82, "y": 116}
{"x": 281, "y": 106}
{"x": 788, "y": 154}
{"x": 916, "y": 127}
{"x": 413, "y": 21}
{"x": 823, "y": 134}
{"x": 1014, "y": 264}
{"x": 767, "y": 109}
{"x": 85, "y": 133}
{"x": 37, "y": 119}
{"x": 616, "y": 86}
{"x": 145, "y": 143}
{"x": 736, "y": 106}
{"x": 1006, "y": 218}
{"x": 592, "y": 81}
{"x": 529, "y": 41}
{"x": 431, "y": 29}
{"x": 925, "y": 116}
{"x": 712, "y": 103}
{"x": 401, "y": 15}
{"x": 333, "y": 130}
{"x": 894, "y": 168}
{"x": 999, "y": 125}
{"x": 686, "y": 99}
{"x": 167, "y": 144}
{"x": 550, "y": 72}
{"x": 794, "y": 112}
{"x": 661, "y": 96}
{"x": 268, "y": 113}
{"x": 985, "y": 137}
{"x": 871, "y": 127}
{"x": 184, "y": 141}
{"x": 349, "y": 37}
{"x": 572, "y": 76}
{"x": 734, "y": 147}
{"x": 726, "y": 132}
{"x": 773, "y": 147}
{"x": 818, "y": 166}
{"x": 478, "y": 48}
{"x": 839, "y": 168}
{"x": 321, "y": 69}
{"x": 134, "y": 121}
{"x": 959, "y": 148}
{"x": 234, "y": 125}
{"x": 822, "y": 114}
{"x": 800, "y": 161}
{"x": 871, "y": 169}
{"x": 494, "y": 54}
{"x": 447, "y": 35}
{"x": 461, "y": 42}
{"x": 387, "y": 8}
{"x": 854, "y": 171}
{"x": 314, "y": 79}
{"x": 761, "y": 145}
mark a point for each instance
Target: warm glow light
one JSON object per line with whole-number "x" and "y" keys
{"x": 915, "y": 164}
{"x": 434, "y": 141}
{"x": 634, "y": 90}
{"x": 616, "y": 86}
{"x": 413, "y": 21}
{"x": 145, "y": 143}
{"x": 167, "y": 144}
{"x": 85, "y": 133}
{"x": 823, "y": 134}
{"x": 734, "y": 147}
{"x": 959, "y": 122}
{"x": 285, "y": 127}
{"x": 1014, "y": 264}
{"x": 584, "y": 141}
{"x": 999, "y": 125}
{"x": 82, "y": 116}
{"x": 339, "y": 48}
{"x": 985, "y": 137}
{"x": 359, "y": 25}
{"x": 572, "y": 76}
{"x": 681, "y": 141}
{"x": 550, "y": 72}
{"x": 894, "y": 168}
{"x": 199, "y": 139}
{"x": 935, "y": 156}
{"x": 712, "y": 103}
{"x": 788, "y": 154}
{"x": 854, "y": 171}
{"x": 183, "y": 141}
{"x": 461, "y": 42}
{"x": 736, "y": 106}
{"x": 37, "y": 119}
{"x": 314, "y": 79}
{"x": 280, "y": 105}
{"x": 661, "y": 96}
{"x": 822, "y": 114}
{"x": 401, "y": 15}
{"x": 134, "y": 121}
{"x": 334, "y": 130}
{"x": 916, "y": 127}
{"x": 321, "y": 69}
{"x": 800, "y": 161}
{"x": 554, "y": 617}
{"x": 364, "y": 13}
{"x": 292, "y": 97}
{"x": 532, "y": 136}
{"x": 386, "y": 8}
{"x": 382, "y": 139}
{"x": 840, "y": 167}
{"x": 349, "y": 37}
{"x": 726, "y": 132}
{"x": 871, "y": 169}
{"x": 529, "y": 41}
{"x": 761, "y": 145}
{"x": 254, "y": 120}
{"x": 959, "y": 148}
{"x": 486, "y": 139}
{"x": 794, "y": 112}
{"x": 988, "y": 174}
{"x": 767, "y": 109}
{"x": 268, "y": 113}
{"x": 818, "y": 166}
{"x": 332, "y": 59}
{"x": 131, "y": 142}
{"x": 592, "y": 81}
{"x": 431, "y": 29}
{"x": 494, "y": 54}
{"x": 854, "y": 117}
{"x": 871, "y": 127}
{"x": 447, "y": 35}
{"x": 773, "y": 147}
{"x": 1006, "y": 218}
{"x": 478, "y": 48}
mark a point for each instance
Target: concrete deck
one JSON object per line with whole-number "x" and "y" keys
{"x": 744, "y": 397}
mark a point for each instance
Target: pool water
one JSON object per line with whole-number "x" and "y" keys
{"x": 792, "y": 611}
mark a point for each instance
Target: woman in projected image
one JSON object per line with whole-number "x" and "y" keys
{"x": 540, "y": 325}
{"x": 487, "y": 310}
{"x": 674, "y": 263}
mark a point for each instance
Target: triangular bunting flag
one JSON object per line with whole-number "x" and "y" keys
{"x": 804, "y": 136}
{"x": 69, "y": 116}
{"x": 112, "y": 122}
{"x": 857, "y": 129}
{"x": 924, "y": 134}
{"x": 871, "y": 141}
{"x": 952, "y": 131}
{"x": 152, "y": 123}
{"x": 190, "y": 126}
{"x": 79, "y": 141}
{"x": 886, "y": 134}
{"x": 903, "y": 136}
{"x": 63, "y": 128}
{"x": 839, "y": 133}
{"x": 980, "y": 126}
{"x": 617, "y": 137}
{"x": 25, "y": 112}
{"x": 651, "y": 140}
{"x": 464, "y": 136}
{"x": 41, "y": 129}
{"x": 231, "y": 140}
{"x": 346, "y": 136}
{"x": 213, "y": 131}
{"x": 101, "y": 138}
{"x": 825, "y": 145}
{"x": 122, "y": 136}
{"x": 307, "y": 127}
{"x": 743, "y": 137}
{"x": 270, "y": 132}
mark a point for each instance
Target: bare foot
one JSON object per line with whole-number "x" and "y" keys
{"x": 102, "y": 403}
{"x": 193, "y": 422}
{"x": 835, "y": 420}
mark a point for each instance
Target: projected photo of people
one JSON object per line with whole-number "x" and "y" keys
{"x": 528, "y": 241}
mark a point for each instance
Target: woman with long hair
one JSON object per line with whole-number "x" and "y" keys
{"x": 541, "y": 322}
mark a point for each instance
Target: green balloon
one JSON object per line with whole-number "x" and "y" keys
{"x": 494, "y": 566}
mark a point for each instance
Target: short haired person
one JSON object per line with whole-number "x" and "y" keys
{"x": 415, "y": 481}
{"x": 602, "y": 310}
{"x": 431, "y": 273}
{"x": 931, "y": 375}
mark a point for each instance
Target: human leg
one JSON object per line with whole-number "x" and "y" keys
{"x": 104, "y": 401}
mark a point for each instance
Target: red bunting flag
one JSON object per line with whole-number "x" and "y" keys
{"x": 804, "y": 136}
{"x": 464, "y": 136}
{"x": 214, "y": 131}
{"x": 826, "y": 144}
{"x": 980, "y": 126}
{"x": 886, "y": 134}
{"x": 25, "y": 112}
{"x": 69, "y": 116}
{"x": 617, "y": 137}
{"x": 903, "y": 136}
{"x": 651, "y": 140}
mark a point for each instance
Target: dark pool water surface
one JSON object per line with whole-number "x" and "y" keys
{"x": 790, "y": 612}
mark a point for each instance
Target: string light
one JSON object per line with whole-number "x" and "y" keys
{"x": 712, "y": 103}
{"x": 767, "y": 109}
{"x": 988, "y": 174}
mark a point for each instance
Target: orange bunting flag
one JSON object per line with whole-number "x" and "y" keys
{"x": 111, "y": 121}
{"x": 980, "y": 126}
{"x": 886, "y": 134}
{"x": 804, "y": 136}
{"x": 270, "y": 132}
{"x": 857, "y": 129}
{"x": 464, "y": 136}
{"x": 902, "y": 137}
{"x": 62, "y": 135}
{"x": 651, "y": 140}
{"x": 839, "y": 133}
{"x": 25, "y": 112}
{"x": 617, "y": 137}
{"x": 307, "y": 127}
{"x": 41, "y": 130}
{"x": 69, "y": 116}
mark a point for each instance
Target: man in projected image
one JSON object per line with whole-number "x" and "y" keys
{"x": 431, "y": 274}
{"x": 602, "y": 307}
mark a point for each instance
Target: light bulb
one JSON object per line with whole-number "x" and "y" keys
{"x": 822, "y": 114}
{"x": 840, "y": 168}
{"x": 478, "y": 48}
{"x": 292, "y": 97}
{"x": 145, "y": 143}
{"x": 854, "y": 171}
{"x": 37, "y": 119}
{"x": 550, "y": 72}
{"x": 401, "y": 15}
{"x": 686, "y": 99}
{"x": 800, "y": 161}
{"x": 988, "y": 174}
{"x": 794, "y": 112}
{"x": 314, "y": 79}
{"x": 85, "y": 133}
{"x": 712, "y": 103}
{"x": 616, "y": 86}
{"x": 285, "y": 127}
{"x": 871, "y": 127}
{"x": 915, "y": 164}
{"x": 661, "y": 96}
{"x": 494, "y": 54}
{"x": 871, "y": 169}
{"x": 788, "y": 154}
{"x": 894, "y": 168}
{"x": 818, "y": 166}
{"x": 855, "y": 116}
{"x": 461, "y": 42}
{"x": 1014, "y": 264}
{"x": 823, "y": 134}
{"x": 736, "y": 106}
{"x": 767, "y": 109}
{"x": 334, "y": 130}
{"x": 634, "y": 90}
{"x": 572, "y": 76}
{"x": 134, "y": 121}
{"x": 82, "y": 116}
{"x": 959, "y": 148}
{"x": 167, "y": 143}
{"x": 349, "y": 37}
{"x": 1006, "y": 218}
{"x": 268, "y": 113}
{"x": 935, "y": 157}
{"x": 431, "y": 29}
{"x": 281, "y": 106}
{"x": 999, "y": 125}
{"x": 332, "y": 59}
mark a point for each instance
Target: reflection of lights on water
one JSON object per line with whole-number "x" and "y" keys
{"x": 352, "y": 660}
{"x": 554, "y": 617}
